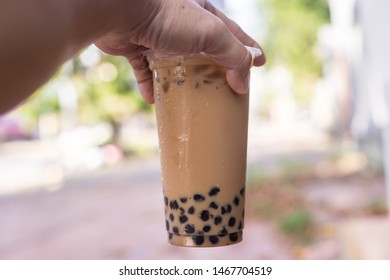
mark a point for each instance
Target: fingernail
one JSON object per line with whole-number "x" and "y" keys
{"x": 255, "y": 52}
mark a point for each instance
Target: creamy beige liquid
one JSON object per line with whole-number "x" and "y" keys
{"x": 202, "y": 128}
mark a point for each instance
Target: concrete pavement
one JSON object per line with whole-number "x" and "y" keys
{"x": 114, "y": 215}
{"x": 365, "y": 238}
{"x": 117, "y": 212}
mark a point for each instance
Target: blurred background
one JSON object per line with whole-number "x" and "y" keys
{"x": 79, "y": 161}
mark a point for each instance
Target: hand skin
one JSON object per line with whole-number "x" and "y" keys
{"x": 37, "y": 37}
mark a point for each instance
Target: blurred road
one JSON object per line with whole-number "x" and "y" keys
{"x": 117, "y": 212}
{"x": 115, "y": 215}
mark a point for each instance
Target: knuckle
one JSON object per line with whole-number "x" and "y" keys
{"x": 138, "y": 63}
{"x": 215, "y": 29}
{"x": 218, "y": 26}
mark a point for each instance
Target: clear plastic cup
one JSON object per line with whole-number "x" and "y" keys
{"x": 202, "y": 129}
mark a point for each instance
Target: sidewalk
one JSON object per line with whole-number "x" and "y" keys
{"x": 365, "y": 238}
{"x": 116, "y": 215}
{"x": 117, "y": 212}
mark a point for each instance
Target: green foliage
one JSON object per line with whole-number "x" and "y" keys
{"x": 291, "y": 39}
{"x": 107, "y": 91}
{"x": 43, "y": 101}
{"x": 297, "y": 224}
{"x": 267, "y": 210}
{"x": 254, "y": 176}
{"x": 378, "y": 207}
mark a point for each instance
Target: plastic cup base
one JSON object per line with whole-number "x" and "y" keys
{"x": 205, "y": 240}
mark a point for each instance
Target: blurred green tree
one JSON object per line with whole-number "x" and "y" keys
{"x": 291, "y": 40}
{"x": 106, "y": 92}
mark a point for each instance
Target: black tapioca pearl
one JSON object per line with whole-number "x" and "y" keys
{"x": 214, "y": 191}
{"x": 206, "y": 228}
{"x": 171, "y": 217}
{"x": 198, "y": 239}
{"x": 200, "y": 68}
{"x": 183, "y": 219}
{"x": 191, "y": 210}
{"x": 226, "y": 209}
{"x": 240, "y": 225}
{"x": 182, "y": 210}
{"x": 236, "y": 201}
{"x": 170, "y": 235}
{"x": 213, "y": 205}
{"x": 166, "y": 201}
{"x": 175, "y": 230}
{"x": 199, "y": 197}
{"x": 233, "y": 236}
{"x": 217, "y": 220}
{"x": 204, "y": 215}
{"x": 214, "y": 239}
{"x": 215, "y": 75}
{"x": 167, "y": 224}
{"x": 174, "y": 205}
{"x": 165, "y": 86}
{"x": 183, "y": 199}
{"x": 223, "y": 231}
{"x": 189, "y": 228}
{"x": 207, "y": 82}
{"x": 232, "y": 222}
{"x": 242, "y": 191}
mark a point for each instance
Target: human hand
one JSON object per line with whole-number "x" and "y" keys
{"x": 183, "y": 27}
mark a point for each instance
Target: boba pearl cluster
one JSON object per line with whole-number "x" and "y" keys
{"x": 205, "y": 219}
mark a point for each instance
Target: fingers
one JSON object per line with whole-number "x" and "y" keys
{"x": 238, "y": 79}
{"x": 142, "y": 73}
{"x": 112, "y": 44}
{"x": 215, "y": 34}
{"x": 224, "y": 41}
{"x": 236, "y": 30}
{"x": 222, "y": 46}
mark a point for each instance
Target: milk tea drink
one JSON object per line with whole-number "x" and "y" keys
{"x": 202, "y": 129}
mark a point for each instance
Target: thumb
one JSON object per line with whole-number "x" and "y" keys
{"x": 238, "y": 79}
{"x": 229, "y": 52}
